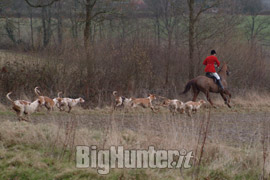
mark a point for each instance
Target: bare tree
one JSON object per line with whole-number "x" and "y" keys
{"x": 31, "y": 26}
{"x": 156, "y": 10}
{"x": 95, "y": 10}
{"x": 46, "y": 25}
{"x": 10, "y": 28}
{"x": 196, "y": 9}
{"x": 167, "y": 15}
{"x": 46, "y": 16}
{"x": 59, "y": 22}
{"x": 75, "y": 17}
{"x": 255, "y": 25}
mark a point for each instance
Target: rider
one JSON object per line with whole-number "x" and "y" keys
{"x": 210, "y": 62}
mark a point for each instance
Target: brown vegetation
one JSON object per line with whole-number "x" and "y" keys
{"x": 93, "y": 51}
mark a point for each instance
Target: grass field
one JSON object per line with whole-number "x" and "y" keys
{"x": 44, "y": 148}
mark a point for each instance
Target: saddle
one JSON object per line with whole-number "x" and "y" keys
{"x": 210, "y": 75}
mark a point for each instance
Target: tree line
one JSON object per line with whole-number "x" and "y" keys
{"x": 142, "y": 45}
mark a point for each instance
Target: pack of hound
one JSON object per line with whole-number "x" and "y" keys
{"x": 25, "y": 108}
{"x": 174, "y": 105}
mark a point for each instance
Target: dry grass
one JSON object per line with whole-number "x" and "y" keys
{"x": 50, "y": 137}
{"x": 11, "y": 57}
{"x": 251, "y": 100}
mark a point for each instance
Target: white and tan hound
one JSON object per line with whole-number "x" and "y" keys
{"x": 23, "y": 107}
{"x": 69, "y": 102}
{"x": 192, "y": 106}
{"x": 46, "y": 101}
{"x": 121, "y": 101}
{"x": 144, "y": 102}
{"x": 174, "y": 105}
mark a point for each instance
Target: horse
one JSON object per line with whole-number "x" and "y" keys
{"x": 207, "y": 85}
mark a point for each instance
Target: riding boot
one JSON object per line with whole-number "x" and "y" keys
{"x": 220, "y": 84}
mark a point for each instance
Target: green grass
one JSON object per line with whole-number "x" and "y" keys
{"x": 33, "y": 164}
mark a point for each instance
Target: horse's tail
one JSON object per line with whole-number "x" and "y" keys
{"x": 188, "y": 86}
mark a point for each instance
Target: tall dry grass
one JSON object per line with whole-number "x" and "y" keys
{"x": 221, "y": 155}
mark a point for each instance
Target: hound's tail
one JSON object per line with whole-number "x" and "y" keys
{"x": 115, "y": 93}
{"x": 37, "y": 92}
{"x": 188, "y": 86}
{"x": 9, "y": 97}
{"x": 58, "y": 95}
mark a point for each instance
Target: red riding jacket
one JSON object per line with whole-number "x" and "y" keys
{"x": 210, "y": 64}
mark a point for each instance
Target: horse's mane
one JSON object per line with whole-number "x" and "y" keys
{"x": 221, "y": 72}
{"x": 224, "y": 64}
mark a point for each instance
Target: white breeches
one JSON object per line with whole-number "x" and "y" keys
{"x": 216, "y": 76}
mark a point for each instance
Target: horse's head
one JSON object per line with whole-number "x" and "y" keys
{"x": 228, "y": 72}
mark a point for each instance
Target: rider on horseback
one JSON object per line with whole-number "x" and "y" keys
{"x": 210, "y": 62}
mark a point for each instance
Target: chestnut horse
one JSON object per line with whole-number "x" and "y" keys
{"x": 207, "y": 85}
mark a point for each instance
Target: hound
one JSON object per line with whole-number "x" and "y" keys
{"x": 46, "y": 101}
{"x": 69, "y": 102}
{"x": 192, "y": 106}
{"x": 174, "y": 105}
{"x": 144, "y": 102}
{"x": 23, "y": 107}
{"x": 58, "y": 101}
{"x": 120, "y": 100}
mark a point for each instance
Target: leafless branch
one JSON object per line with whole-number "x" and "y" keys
{"x": 203, "y": 8}
{"x": 99, "y": 13}
{"x": 40, "y": 5}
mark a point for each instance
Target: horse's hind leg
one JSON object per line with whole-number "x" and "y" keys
{"x": 229, "y": 94}
{"x": 225, "y": 100}
{"x": 195, "y": 93}
{"x": 209, "y": 99}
